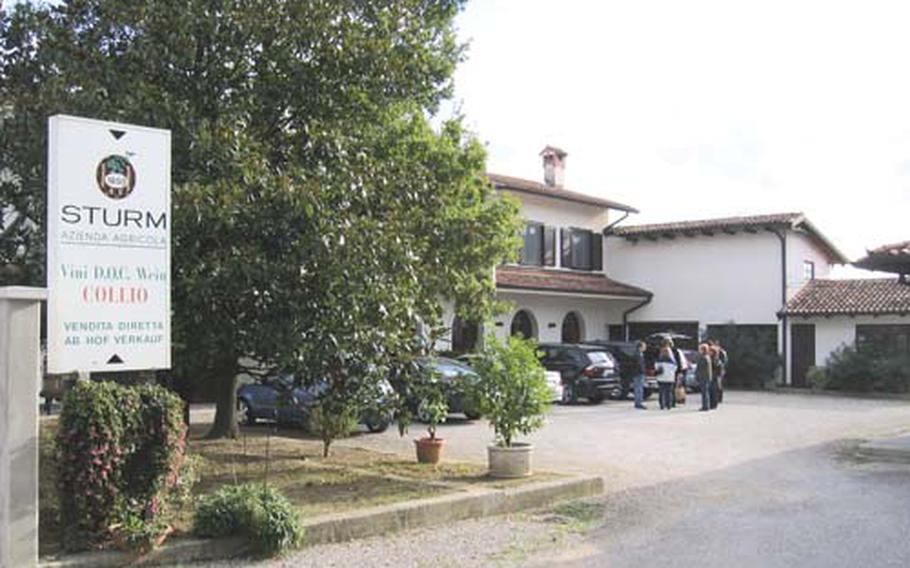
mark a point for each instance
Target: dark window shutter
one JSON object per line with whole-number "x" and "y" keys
{"x": 597, "y": 251}
{"x": 549, "y": 246}
{"x": 565, "y": 237}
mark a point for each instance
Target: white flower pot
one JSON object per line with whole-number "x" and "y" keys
{"x": 514, "y": 461}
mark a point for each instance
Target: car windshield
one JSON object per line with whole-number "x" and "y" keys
{"x": 600, "y": 358}
{"x": 450, "y": 369}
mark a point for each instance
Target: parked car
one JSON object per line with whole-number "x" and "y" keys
{"x": 459, "y": 380}
{"x": 586, "y": 371}
{"x": 626, "y": 354}
{"x": 554, "y": 379}
{"x": 277, "y": 398}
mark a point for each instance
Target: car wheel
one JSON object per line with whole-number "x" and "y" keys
{"x": 596, "y": 398}
{"x": 647, "y": 394}
{"x": 472, "y": 415}
{"x": 245, "y": 413}
{"x": 376, "y": 423}
{"x": 618, "y": 393}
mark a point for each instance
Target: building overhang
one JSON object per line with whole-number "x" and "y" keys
{"x": 533, "y": 280}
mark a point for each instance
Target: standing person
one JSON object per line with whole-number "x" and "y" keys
{"x": 723, "y": 363}
{"x": 666, "y": 377}
{"x": 703, "y": 373}
{"x": 715, "y": 372}
{"x": 668, "y": 344}
{"x": 638, "y": 384}
{"x": 682, "y": 365}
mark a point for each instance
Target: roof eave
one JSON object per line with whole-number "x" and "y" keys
{"x": 834, "y": 253}
{"x": 586, "y": 200}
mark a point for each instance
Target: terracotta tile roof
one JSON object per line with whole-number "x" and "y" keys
{"x": 851, "y": 297}
{"x": 732, "y": 225}
{"x": 551, "y": 280}
{"x": 537, "y": 188}
{"x": 889, "y": 258}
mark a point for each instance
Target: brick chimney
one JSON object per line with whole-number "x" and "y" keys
{"x": 554, "y": 166}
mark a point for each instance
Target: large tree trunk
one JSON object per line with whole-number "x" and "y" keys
{"x": 225, "y": 425}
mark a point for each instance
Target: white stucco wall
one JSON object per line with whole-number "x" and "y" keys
{"x": 714, "y": 280}
{"x": 550, "y": 310}
{"x": 595, "y": 313}
{"x": 560, "y": 213}
{"x": 801, "y": 248}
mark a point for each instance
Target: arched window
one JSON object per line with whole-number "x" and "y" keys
{"x": 572, "y": 328}
{"x": 523, "y": 324}
{"x": 464, "y": 335}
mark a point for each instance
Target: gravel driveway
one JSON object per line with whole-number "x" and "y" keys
{"x": 745, "y": 472}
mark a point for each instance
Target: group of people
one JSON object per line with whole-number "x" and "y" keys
{"x": 670, "y": 368}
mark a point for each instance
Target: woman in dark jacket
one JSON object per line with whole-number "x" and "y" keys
{"x": 703, "y": 374}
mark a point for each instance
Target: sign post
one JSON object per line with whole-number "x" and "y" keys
{"x": 20, "y": 377}
{"x": 108, "y": 246}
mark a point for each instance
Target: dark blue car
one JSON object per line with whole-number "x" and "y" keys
{"x": 277, "y": 399}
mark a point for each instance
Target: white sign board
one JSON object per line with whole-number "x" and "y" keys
{"x": 108, "y": 246}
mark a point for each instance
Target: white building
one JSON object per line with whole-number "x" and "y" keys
{"x": 558, "y": 290}
{"x": 582, "y": 276}
{"x": 709, "y": 273}
{"x": 828, "y": 314}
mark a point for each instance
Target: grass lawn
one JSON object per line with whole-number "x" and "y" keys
{"x": 349, "y": 478}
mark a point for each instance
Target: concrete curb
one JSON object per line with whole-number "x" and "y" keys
{"x": 385, "y": 519}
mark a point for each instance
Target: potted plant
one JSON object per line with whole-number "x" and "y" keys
{"x": 514, "y": 396}
{"x": 433, "y": 410}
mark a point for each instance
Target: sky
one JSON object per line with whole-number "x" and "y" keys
{"x": 702, "y": 108}
{"x": 698, "y": 109}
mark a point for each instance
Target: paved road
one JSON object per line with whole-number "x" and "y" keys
{"x": 632, "y": 448}
{"x": 767, "y": 480}
{"x": 812, "y": 507}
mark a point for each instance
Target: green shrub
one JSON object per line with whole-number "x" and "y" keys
{"x": 865, "y": 369}
{"x": 817, "y": 378}
{"x": 513, "y": 391}
{"x": 752, "y": 351}
{"x": 121, "y": 454}
{"x": 258, "y": 512}
{"x": 331, "y": 423}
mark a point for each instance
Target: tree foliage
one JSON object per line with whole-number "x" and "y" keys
{"x": 514, "y": 395}
{"x": 318, "y": 220}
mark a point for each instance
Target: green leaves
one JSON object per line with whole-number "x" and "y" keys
{"x": 122, "y": 455}
{"x": 258, "y": 512}
{"x": 319, "y": 222}
{"x": 513, "y": 390}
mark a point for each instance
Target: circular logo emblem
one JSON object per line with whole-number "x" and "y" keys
{"x": 116, "y": 177}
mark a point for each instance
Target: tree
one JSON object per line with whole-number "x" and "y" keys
{"x": 318, "y": 221}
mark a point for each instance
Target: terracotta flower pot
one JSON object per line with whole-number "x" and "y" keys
{"x": 429, "y": 450}
{"x": 514, "y": 461}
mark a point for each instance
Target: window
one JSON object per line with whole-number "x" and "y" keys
{"x": 572, "y": 328}
{"x": 616, "y": 332}
{"x": 523, "y": 325}
{"x": 808, "y": 270}
{"x": 539, "y": 248}
{"x": 582, "y": 249}
{"x": 886, "y": 339}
